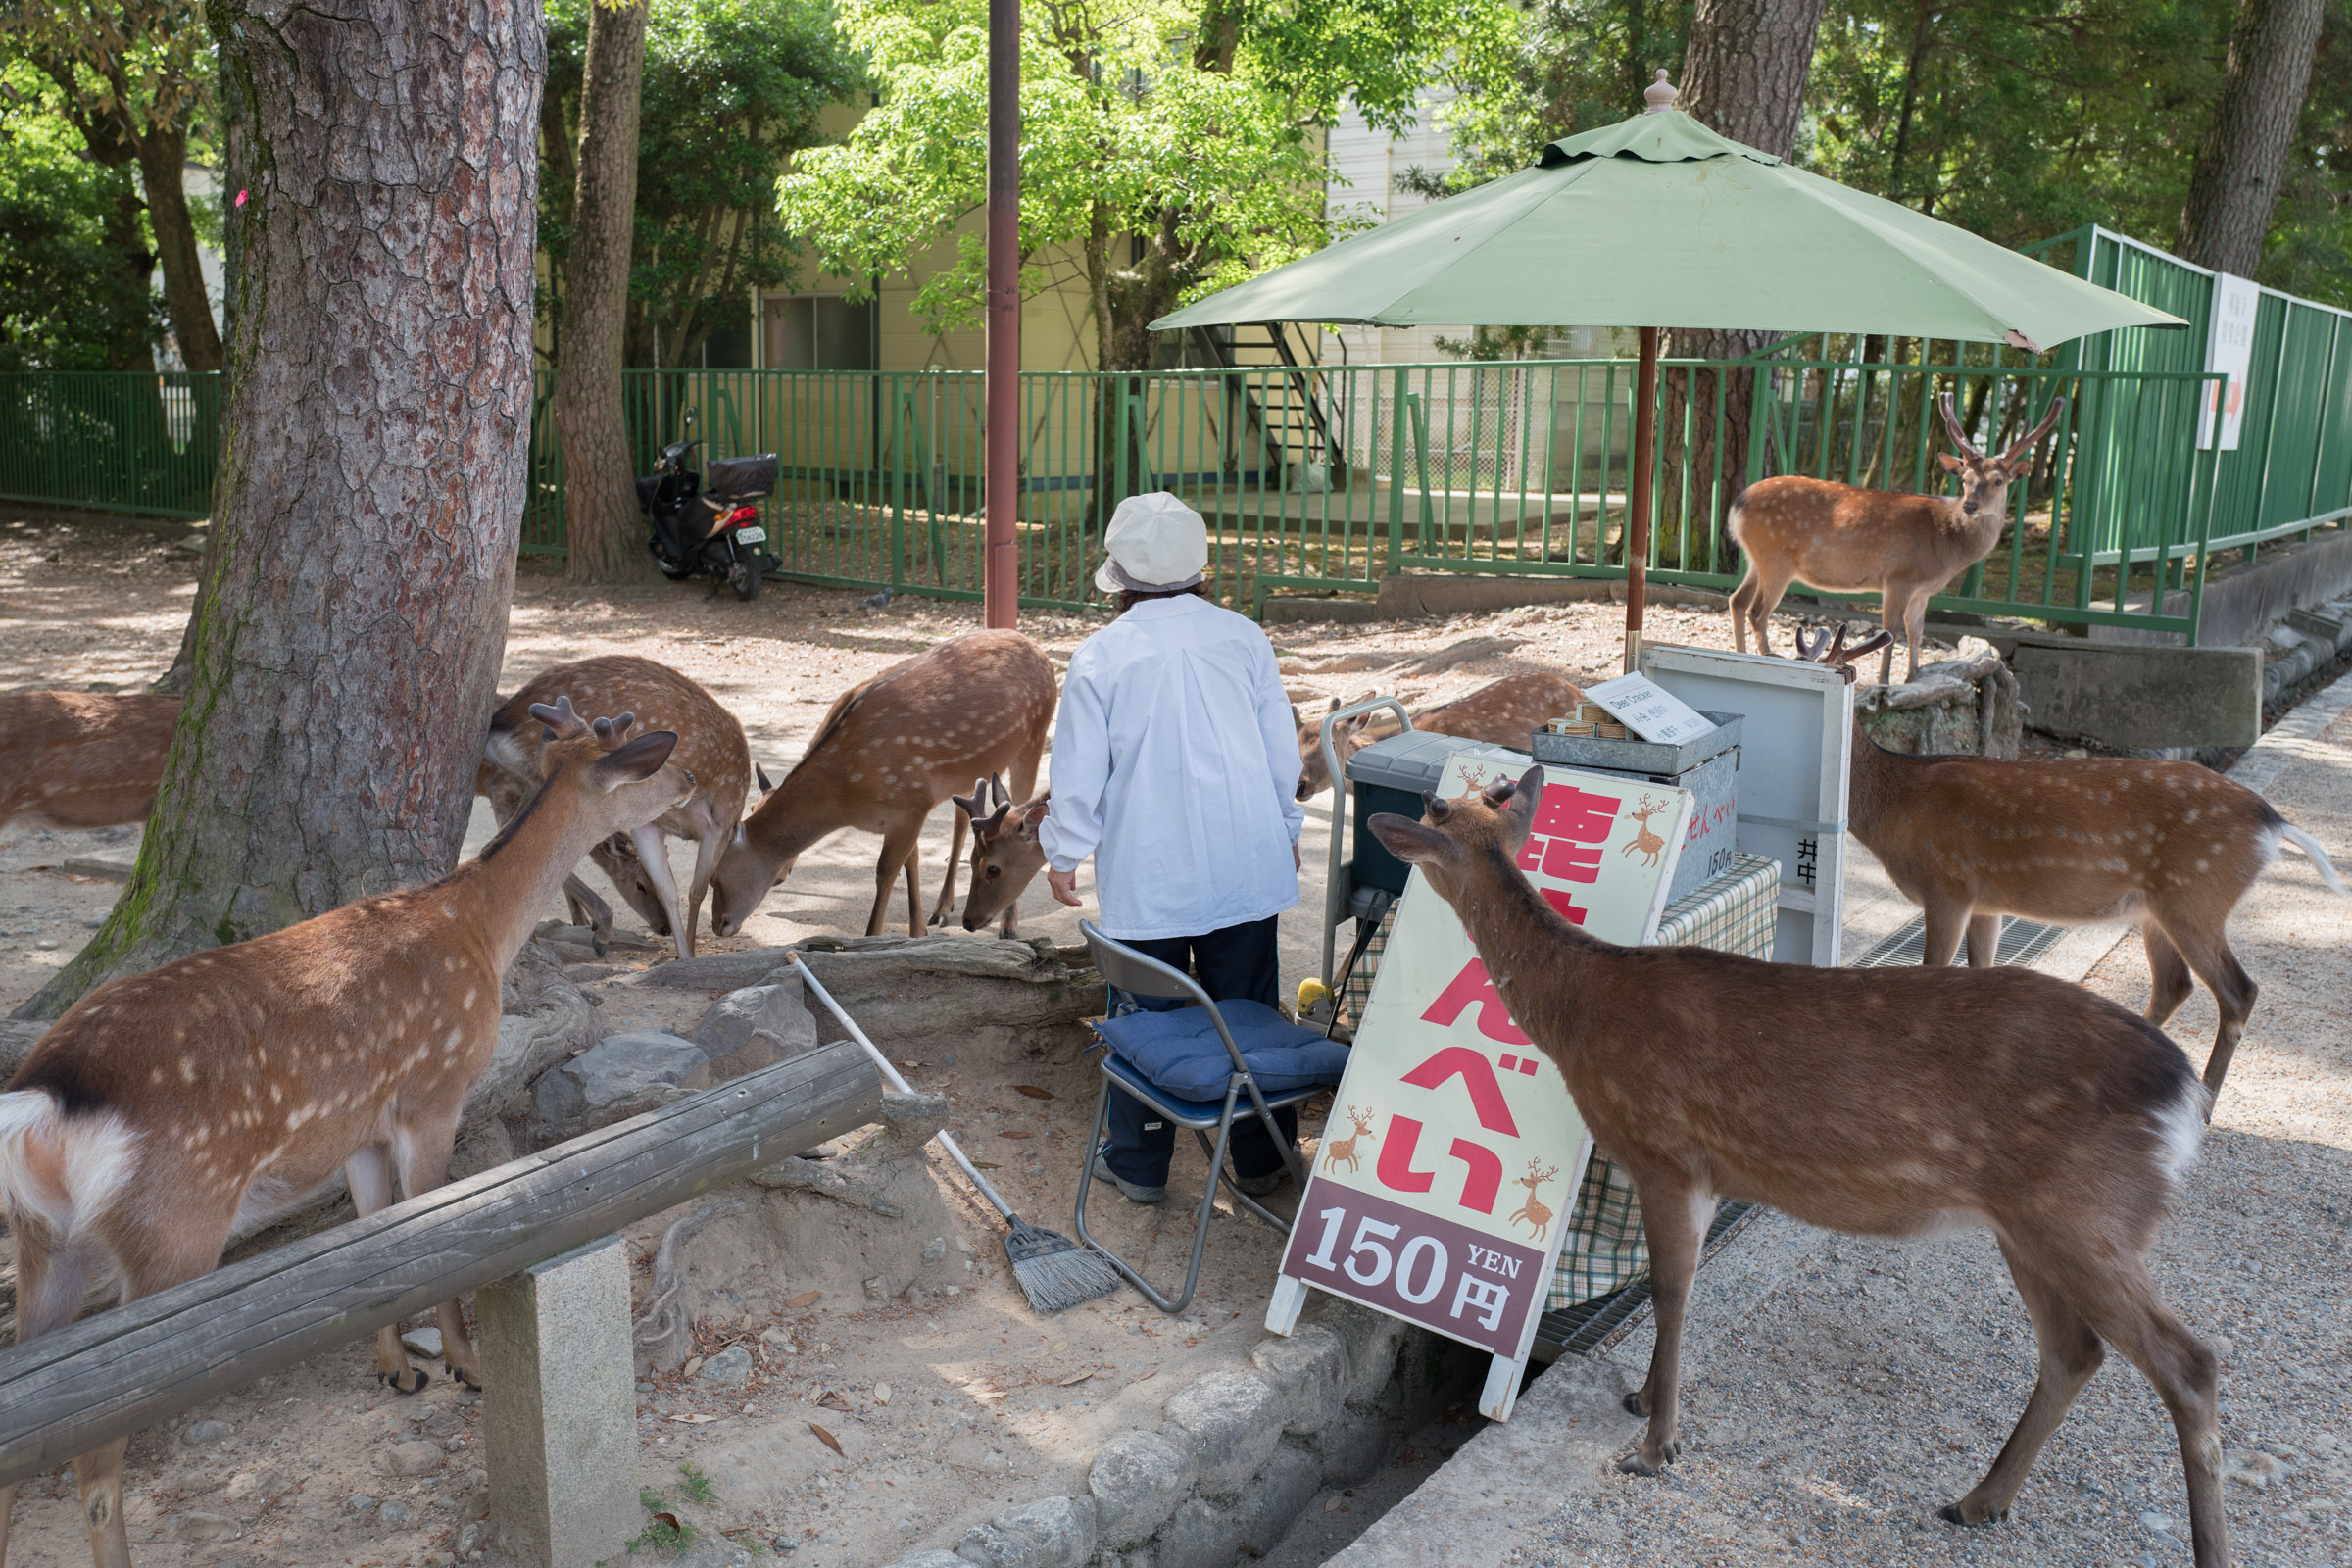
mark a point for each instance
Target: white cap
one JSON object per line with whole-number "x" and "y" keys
{"x": 1154, "y": 543}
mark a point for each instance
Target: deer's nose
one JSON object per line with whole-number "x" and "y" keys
{"x": 1969, "y": 508}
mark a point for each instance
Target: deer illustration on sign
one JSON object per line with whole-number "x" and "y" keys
{"x": 1532, "y": 1211}
{"x": 1339, "y": 1149}
{"x": 1649, "y": 843}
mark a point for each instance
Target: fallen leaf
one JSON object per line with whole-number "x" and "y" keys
{"x": 1033, "y": 1091}
{"x": 805, "y": 1299}
{"x": 986, "y": 1164}
{"x": 667, "y": 1518}
{"x": 694, "y": 1420}
{"x": 1073, "y": 1382}
{"x": 911, "y": 1065}
{"x": 1012, "y": 1135}
{"x": 1333, "y": 1504}
{"x": 826, "y": 1438}
{"x": 881, "y": 1394}
{"x": 694, "y": 1365}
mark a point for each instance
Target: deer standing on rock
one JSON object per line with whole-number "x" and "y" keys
{"x": 888, "y": 751}
{"x": 1006, "y": 855}
{"x": 168, "y": 1111}
{"x": 1877, "y": 1102}
{"x": 2173, "y": 845}
{"x": 82, "y": 759}
{"x": 1501, "y": 712}
{"x": 1848, "y": 540}
{"x": 711, "y": 746}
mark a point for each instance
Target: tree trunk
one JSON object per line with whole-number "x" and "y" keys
{"x": 2236, "y": 183}
{"x": 163, "y": 155}
{"x": 1743, "y": 76}
{"x": 604, "y": 537}
{"x": 373, "y": 473}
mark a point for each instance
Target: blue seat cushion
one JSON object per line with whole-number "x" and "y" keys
{"x": 1179, "y": 1051}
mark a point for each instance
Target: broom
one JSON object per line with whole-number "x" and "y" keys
{"x": 1054, "y": 1271}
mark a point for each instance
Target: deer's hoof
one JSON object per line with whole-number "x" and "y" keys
{"x": 1634, "y": 1406}
{"x": 1634, "y": 1464}
{"x": 398, "y": 1382}
{"x": 472, "y": 1380}
{"x": 1953, "y": 1513}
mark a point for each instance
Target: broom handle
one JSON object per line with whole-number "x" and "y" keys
{"x": 890, "y": 1075}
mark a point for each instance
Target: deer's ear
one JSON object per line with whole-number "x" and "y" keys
{"x": 637, "y": 760}
{"x": 1951, "y": 463}
{"x": 1517, "y": 818}
{"x": 1408, "y": 840}
{"x": 1033, "y": 817}
{"x": 2018, "y": 467}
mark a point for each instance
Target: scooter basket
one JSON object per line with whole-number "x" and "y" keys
{"x": 740, "y": 478}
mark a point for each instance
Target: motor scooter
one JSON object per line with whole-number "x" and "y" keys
{"x": 705, "y": 521}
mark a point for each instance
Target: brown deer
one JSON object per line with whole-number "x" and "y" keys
{"x": 1342, "y": 1150}
{"x": 170, "y": 1110}
{"x": 82, "y": 759}
{"x": 711, "y": 746}
{"x": 2073, "y": 841}
{"x": 1645, "y": 842}
{"x": 1909, "y": 1099}
{"x": 1532, "y": 1211}
{"x": 1846, "y": 539}
{"x": 1501, "y": 712}
{"x": 1006, "y": 855}
{"x": 888, "y": 751}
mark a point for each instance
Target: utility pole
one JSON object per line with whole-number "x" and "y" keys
{"x": 1002, "y": 451}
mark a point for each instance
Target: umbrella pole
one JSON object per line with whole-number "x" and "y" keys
{"x": 1645, "y": 462}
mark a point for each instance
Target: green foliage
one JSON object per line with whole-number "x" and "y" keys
{"x": 69, "y": 227}
{"x": 697, "y": 1485}
{"x": 732, "y": 89}
{"x": 664, "y": 1532}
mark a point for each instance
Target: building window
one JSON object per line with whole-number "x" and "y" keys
{"x": 819, "y": 333}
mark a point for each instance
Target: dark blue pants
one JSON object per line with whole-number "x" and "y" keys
{"x": 1237, "y": 961}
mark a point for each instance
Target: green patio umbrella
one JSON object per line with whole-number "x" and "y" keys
{"x": 1656, "y": 221}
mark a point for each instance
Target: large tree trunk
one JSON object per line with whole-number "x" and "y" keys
{"x": 604, "y": 538}
{"x": 373, "y": 473}
{"x": 2236, "y": 183}
{"x": 163, "y": 152}
{"x": 1743, "y": 76}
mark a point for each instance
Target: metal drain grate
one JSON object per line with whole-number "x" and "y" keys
{"x": 2022, "y": 942}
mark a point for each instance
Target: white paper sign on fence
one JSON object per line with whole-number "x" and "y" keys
{"x": 1654, "y": 714}
{"x": 2229, "y": 349}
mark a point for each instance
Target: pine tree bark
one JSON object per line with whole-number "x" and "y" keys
{"x": 2234, "y": 184}
{"x": 1743, "y": 76}
{"x": 373, "y": 473}
{"x": 604, "y": 537}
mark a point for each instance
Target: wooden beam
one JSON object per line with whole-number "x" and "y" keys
{"x": 126, "y": 1369}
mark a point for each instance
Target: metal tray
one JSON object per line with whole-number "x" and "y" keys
{"x": 1632, "y": 755}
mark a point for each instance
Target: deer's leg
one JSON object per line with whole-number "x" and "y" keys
{"x": 711, "y": 838}
{"x": 1770, "y": 586}
{"x": 947, "y": 888}
{"x": 2071, "y": 1353}
{"x": 1947, "y": 921}
{"x": 1984, "y": 940}
{"x": 1914, "y": 610}
{"x": 898, "y": 850}
{"x": 423, "y": 1167}
{"x": 589, "y": 911}
{"x": 652, "y": 856}
{"x": 370, "y": 1173}
{"x": 1742, "y": 597}
{"x": 1676, "y": 1216}
{"x": 2208, "y": 953}
{"x": 2169, "y": 982}
{"x": 617, "y": 858}
{"x": 50, "y": 1283}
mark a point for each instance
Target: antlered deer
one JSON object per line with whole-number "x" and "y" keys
{"x": 711, "y": 746}
{"x": 172, "y": 1109}
{"x": 1006, "y": 855}
{"x": 1501, "y": 712}
{"x": 82, "y": 759}
{"x": 1337, "y": 1152}
{"x": 888, "y": 751}
{"x": 1534, "y": 1212}
{"x": 1645, "y": 841}
{"x": 2173, "y": 845}
{"x": 1846, "y": 539}
{"x": 1907, "y": 1100}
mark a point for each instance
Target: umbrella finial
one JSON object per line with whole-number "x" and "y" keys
{"x": 1660, "y": 94}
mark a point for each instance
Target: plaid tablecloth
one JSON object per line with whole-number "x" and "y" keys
{"x": 1605, "y": 1251}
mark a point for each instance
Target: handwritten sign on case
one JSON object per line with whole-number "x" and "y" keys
{"x": 1654, "y": 714}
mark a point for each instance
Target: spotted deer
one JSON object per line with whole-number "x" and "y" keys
{"x": 1533, "y": 1212}
{"x": 82, "y": 759}
{"x": 2073, "y": 841}
{"x": 1337, "y": 1152}
{"x": 1911, "y": 1099}
{"x": 168, "y": 1111}
{"x": 887, "y": 752}
{"x": 1908, "y": 548}
{"x": 1501, "y": 712}
{"x": 710, "y": 747}
{"x": 1006, "y": 854}
{"x": 1644, "y": 842}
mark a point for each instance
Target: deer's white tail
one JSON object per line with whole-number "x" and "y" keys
{"x": 2180, "y": 1130}
{"x": 2309, "y": 848}
{"x": 58, "y": 1172}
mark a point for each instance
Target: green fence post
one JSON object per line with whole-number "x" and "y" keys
{"x": 1398, "y": 399}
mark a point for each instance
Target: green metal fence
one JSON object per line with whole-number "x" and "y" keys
{"x": 116, "y": 441}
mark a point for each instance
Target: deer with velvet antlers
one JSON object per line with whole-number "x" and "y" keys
{"x": 1006, "y": 855}
{"x": 168, "y": 1112}
{"x": 1878, "y": 1102}
{"x": 2071, "y": 841}
{"x": 1908, "y": 548}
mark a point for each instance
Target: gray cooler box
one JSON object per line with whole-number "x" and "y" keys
{"x": 1391, "y": 775}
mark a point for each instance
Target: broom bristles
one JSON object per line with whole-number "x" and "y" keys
{"x": 1055, "y": 1272}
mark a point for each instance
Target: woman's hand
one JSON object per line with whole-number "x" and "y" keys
{"x": 1064, "y": 886}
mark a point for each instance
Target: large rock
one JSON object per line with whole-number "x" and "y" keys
{"x": 1201, "y": 1536}
{"x": 1372, "y": 1339}
{"x": 1231, "y": 1421}
{"x": 755, "y": 1027}
{"x": 1278, "y": 1496}
{"x": 906, "y": 987}
{"x": 1052, "y": 1532}
{"x": 17, "y": 1036}
{"x": 528, "y": 1045}
{"x": 620, "y": 1076}
{"x": 1309, "y": 1370}
{"x": 1136, "y": 1481}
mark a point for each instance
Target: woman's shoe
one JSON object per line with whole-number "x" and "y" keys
{"x": 1133, "y": 1192}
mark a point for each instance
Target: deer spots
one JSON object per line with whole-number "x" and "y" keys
{"x": 187, "y": 1069}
